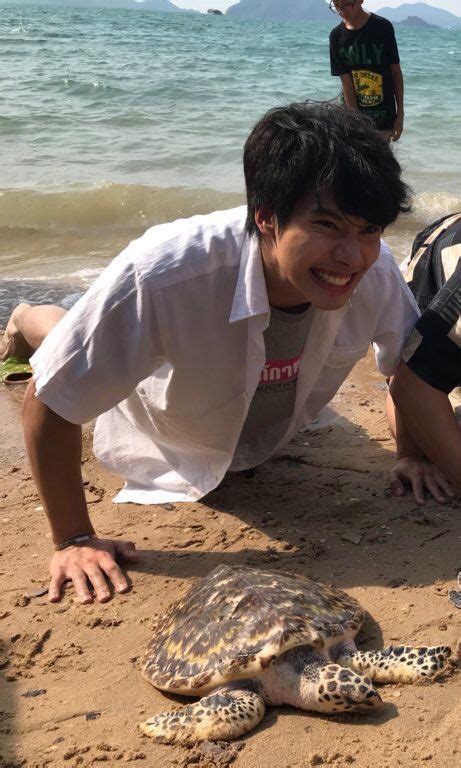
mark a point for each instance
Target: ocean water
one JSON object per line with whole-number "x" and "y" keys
{"x": 112, "y": 121}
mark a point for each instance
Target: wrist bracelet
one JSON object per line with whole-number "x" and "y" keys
{"x": 75, "y": 540}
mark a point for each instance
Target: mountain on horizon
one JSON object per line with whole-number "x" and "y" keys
{"x": 424, "y": 11}
{"x": 318, "y": 11}
{"x": 283, "y": 10}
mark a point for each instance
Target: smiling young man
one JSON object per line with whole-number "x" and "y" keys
{"x": 364, "y": 54}
{"x": 210, "y": 341}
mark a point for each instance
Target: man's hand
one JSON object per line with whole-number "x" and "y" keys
{"x": 93, "y": 562}
{"x": 397, "y": 128}
{"x": 422, "y": 476}
{"x": 54, "y": 446}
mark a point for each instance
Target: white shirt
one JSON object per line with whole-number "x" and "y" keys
{"x": 166, "y": 348}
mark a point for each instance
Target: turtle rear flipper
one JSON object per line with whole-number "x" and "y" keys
{"x": 224, "y": 715}
{"x": 397, "y": 663}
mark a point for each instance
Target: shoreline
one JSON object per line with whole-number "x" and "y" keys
{"x": 298, "y": 513}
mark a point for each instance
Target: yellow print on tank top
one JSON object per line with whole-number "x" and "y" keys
{"x": 368, "y": 87}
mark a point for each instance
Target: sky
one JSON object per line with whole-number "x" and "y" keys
{"x": 372, "y": 5}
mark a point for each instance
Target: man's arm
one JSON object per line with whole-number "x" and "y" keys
{"x": 428, "y": 416}
{"x": 54, "y": 446}
{"x": 350, "y": 96}
{"x": 397, "y": 78}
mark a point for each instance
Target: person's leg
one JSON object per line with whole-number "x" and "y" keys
{"x": 27, "y": 327}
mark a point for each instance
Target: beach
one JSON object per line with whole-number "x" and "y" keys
{"x": 116, "y": 122}
{"x": 73, "y": 693}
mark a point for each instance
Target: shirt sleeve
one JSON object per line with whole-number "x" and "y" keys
{"x": 433, "y": 351}
{"x": 398, "y": 315}
{"x": 102, "y": 348}
{"x": 393, "y": 50}
{"x": 338, "y": 67}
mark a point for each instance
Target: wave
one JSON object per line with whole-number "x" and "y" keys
{"x": 55, "y": 243}
{"x": 121, "y": 208}
{"x": 107, "y": 207}
{"x": 429, "y": 207}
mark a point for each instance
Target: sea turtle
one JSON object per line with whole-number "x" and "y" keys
{"x": 242, "y": 637}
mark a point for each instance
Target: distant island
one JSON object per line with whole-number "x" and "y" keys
{"x": 215, "y": 12}
{"x": 283, "y": 10}
{"x": 317, "y": 11}
{"x": 415, "y": 22}
{"x": 423, "y": 11}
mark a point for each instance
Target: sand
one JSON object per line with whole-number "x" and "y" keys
{"x": 72, "y": 692}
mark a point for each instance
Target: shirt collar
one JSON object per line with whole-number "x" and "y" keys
{"x": 250, "y": 296}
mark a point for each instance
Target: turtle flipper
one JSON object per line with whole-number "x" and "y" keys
{"x": 223, "y": 715}
{"x": 397, "y": 663}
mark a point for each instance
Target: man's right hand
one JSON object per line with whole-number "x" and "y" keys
{"x": 92, "y": 562}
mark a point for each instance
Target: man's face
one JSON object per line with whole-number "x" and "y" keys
{"x": 319, "y": 257}
{"x": 349, "y": 10}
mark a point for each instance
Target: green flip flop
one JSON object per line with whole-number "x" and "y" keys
{"x": 15, "y": 370}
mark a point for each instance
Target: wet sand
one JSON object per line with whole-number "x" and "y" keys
{"x": 72, "y": 692}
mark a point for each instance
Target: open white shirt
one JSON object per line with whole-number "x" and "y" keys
{"x": 166, "y": 349}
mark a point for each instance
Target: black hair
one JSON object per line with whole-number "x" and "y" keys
{"x": 311, "y": 147}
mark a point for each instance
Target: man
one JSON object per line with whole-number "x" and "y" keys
{"x": 431, "y": 366}
{"x": 363, "y": 52}
{"x": 209, "y": 342}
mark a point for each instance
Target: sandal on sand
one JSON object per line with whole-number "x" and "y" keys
{"x": 15, "y": 370}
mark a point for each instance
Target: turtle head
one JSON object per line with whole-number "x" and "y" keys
{"x": 339, "y": 689}
{"x": 304, "y": 679}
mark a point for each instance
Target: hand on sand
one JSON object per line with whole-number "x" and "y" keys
{"x": 421, "y": 475}
{"x": 95, "y": 563}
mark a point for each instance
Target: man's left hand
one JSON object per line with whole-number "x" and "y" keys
{"x": 422, "y": 476}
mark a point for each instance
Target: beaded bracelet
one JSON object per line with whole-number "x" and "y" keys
{"x": 76, "y": 540}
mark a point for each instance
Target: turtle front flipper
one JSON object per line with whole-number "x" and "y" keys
{"x": 397, "y": 663}
{"x": 223, "y": 715}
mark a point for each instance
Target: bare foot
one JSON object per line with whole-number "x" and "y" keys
{"x": 13, "y": 342}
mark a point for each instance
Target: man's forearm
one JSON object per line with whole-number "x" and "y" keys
{"x": 428, "y": 415}
{"x": 54, "y": 447}
{"x": 397, "y": 78}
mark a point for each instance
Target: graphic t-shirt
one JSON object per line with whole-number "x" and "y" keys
{"x": 271, "y": 408}
{"x": 367, "y": 54}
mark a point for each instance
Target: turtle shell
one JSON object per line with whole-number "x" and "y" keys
{"x": 236, "y": 621}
